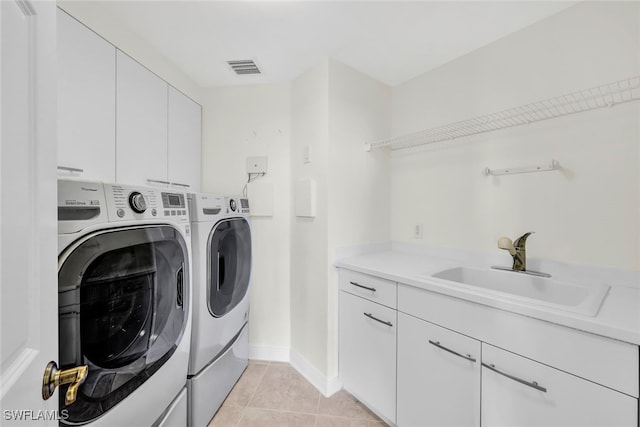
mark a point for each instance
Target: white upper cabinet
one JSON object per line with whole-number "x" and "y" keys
{"x": 118, "y": 121}
{"x": 185, "y": 141}
{"x": 86, "y": 100}
{"x": 141, "y": 118}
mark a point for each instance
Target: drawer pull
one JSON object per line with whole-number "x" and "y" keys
{"x": 440, "y": 346}
{"x": 384, "y": 322}
{"x": 70, "y": 169}
{"x": 179, "y": 184}
{"x": 531, "y": 384}
{"x": 363, "y": 287}
{"x": 158, "y": 181}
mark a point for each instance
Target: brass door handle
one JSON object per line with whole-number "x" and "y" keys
{"x": 53, "y": 377}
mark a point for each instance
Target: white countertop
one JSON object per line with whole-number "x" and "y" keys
{"x": 618, "y": 317}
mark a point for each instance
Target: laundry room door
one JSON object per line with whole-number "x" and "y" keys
{"x": 28, "y": 288}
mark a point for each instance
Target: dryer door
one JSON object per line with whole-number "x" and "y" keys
{"x": 121, "y": 311}
{"x": 228, "y": 265}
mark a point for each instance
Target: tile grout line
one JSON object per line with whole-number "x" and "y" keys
{"x": 257, "y": 386}
{"x": 286, "y": 411}
{"x": 318, "y": 408}
{"x": 241, "y": 417}
{"x": 244, "y": 409}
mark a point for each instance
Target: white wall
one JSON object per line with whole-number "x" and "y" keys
{"x": 358, "y": 181}
{"x": 334, "y": 110}
{"x": 309, "y": 118}
{"x": 100, "y": 20}
{"x": 255, "y": 121}
{"x": 589, "y": 212}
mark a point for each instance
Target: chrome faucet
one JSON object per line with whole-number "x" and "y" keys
{"x": 519, "y": 254}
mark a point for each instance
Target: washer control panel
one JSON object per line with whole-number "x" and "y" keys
{"x": 125, "y": 202}
{"x": 80, "y": 204}
{"x": 174, "y": 204}
{"x": 137, "y": 202}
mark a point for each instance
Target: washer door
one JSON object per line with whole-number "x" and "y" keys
{"x": 228, "y": 265}
{"x": 121, "y": 311}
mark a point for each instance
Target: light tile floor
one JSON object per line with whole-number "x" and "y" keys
{"x": 273, "y": 394}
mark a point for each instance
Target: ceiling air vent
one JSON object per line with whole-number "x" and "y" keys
{"x": 246, "y": 66}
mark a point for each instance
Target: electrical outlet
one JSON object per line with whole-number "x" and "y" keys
{"x": 417, "y": 231}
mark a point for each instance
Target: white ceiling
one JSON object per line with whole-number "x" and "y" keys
{"x": 391, "y": 41}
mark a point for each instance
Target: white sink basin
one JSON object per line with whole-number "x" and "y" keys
{"x": 577, "y": 298}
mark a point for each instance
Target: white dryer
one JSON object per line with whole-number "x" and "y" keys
{"x": 124, "y": 302}
{"x": 221, "y": 242}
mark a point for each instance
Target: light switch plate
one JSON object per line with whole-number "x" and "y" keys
{"x": 257, "y": 164}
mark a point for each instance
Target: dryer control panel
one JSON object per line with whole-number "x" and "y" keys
{"x": 237, "y": 205}
{"x": 211, "y": 207}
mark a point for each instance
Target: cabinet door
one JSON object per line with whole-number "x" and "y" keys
{"x": 141, "y": 123}
{"x": 438, "y": 376}
{"x": 185, "y": 141}
{"x": 368, "y": 353}
{"x": 521, "y": 392}
{"x": 86, "y": 101}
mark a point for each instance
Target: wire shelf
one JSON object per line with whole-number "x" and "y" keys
{"x": 608, "y": 95}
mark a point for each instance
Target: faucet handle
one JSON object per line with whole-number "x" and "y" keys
{"x": 506, "y": 244}
{"x": 522, "y": 240}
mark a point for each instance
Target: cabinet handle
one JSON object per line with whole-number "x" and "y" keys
{"x": 70, "y": 169}
{"x": 532, "y": 384}
{"x": 440, "y": 346}
{"x": 180, "y": 184}
{"x": 384, "y": 322}
{"x": 363, "y": 287}
{"x": 158, "y": 181}
{"x": 180, "y": 287}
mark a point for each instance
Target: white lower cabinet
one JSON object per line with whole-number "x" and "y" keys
{"x": 459, "y": 364}
{"x": 368, "y": 353}
{"x": 438, "y": 376}
{"x": 517, "y": 391}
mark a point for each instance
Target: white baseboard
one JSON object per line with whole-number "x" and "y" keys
{"x": 326, "y": 386}
{"x": 276, "y": 354}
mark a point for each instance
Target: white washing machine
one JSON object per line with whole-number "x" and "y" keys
{"x": 124, "y": 302}
{"x": 221, "y": 242}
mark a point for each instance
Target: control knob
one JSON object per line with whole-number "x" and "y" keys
{"x": 232, "y": 205}
{"x": 137, "y": 202}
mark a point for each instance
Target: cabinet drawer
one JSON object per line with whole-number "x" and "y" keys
{"x": 438, "y": 375}
{"x": 602, "y": 360}
{"x": 368, "y": 353}
{"x": 520, "y": 392}
{"x": 372, "y": 288}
